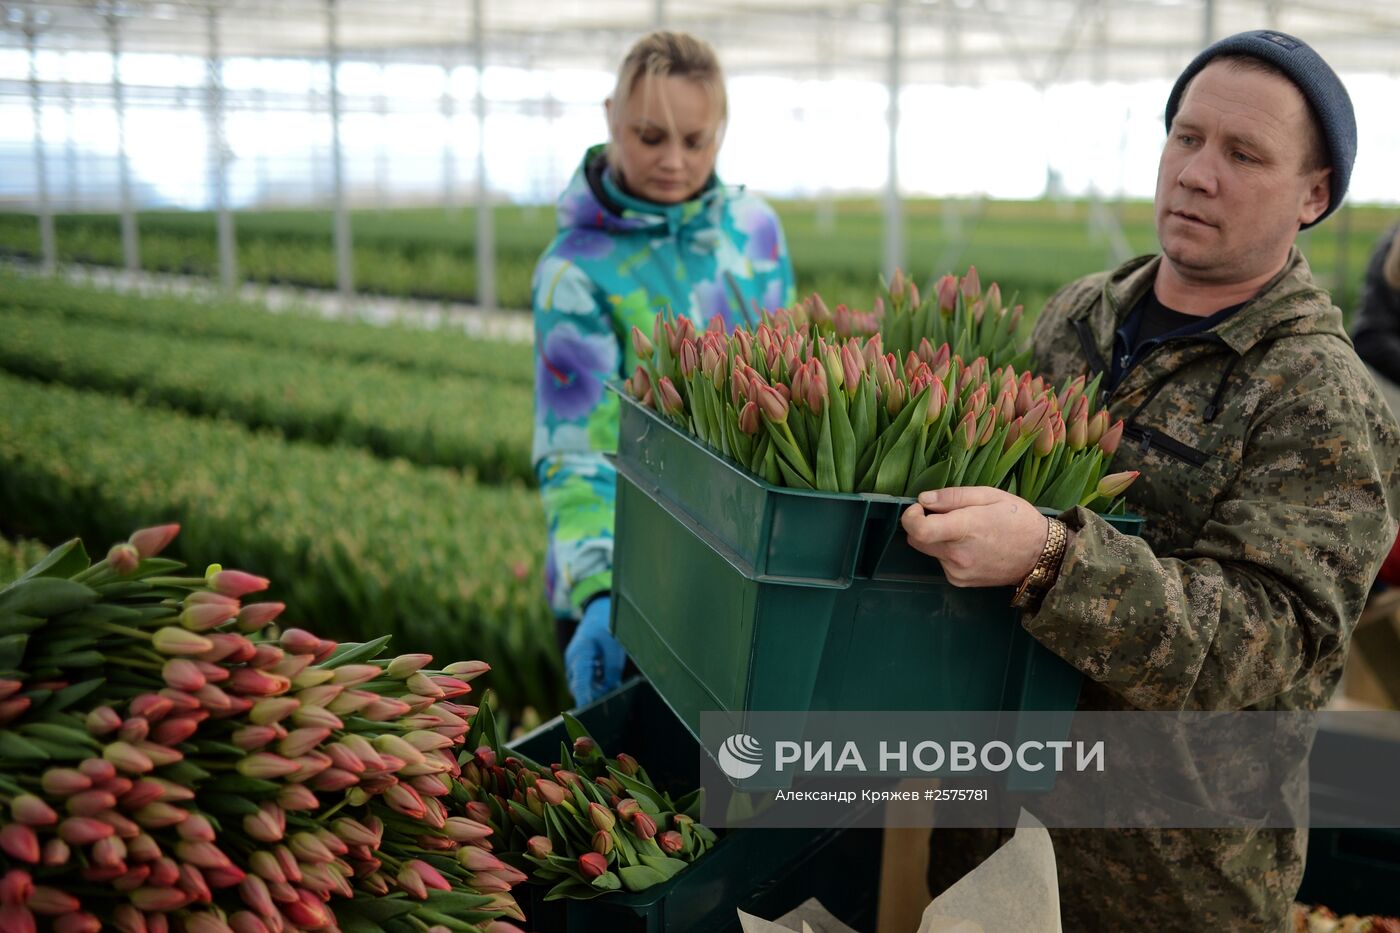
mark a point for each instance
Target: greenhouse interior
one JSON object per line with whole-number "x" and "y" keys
{"x": 907, "y": 432}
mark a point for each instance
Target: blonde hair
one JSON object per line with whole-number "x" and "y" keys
{"x": 1391, "y": 269}
{"x": 664, "y": 54}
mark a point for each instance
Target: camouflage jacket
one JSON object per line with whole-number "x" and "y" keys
{"x": 1268, "y": 466}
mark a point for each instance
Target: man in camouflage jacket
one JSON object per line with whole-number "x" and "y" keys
{"x": 1268, "y": 471}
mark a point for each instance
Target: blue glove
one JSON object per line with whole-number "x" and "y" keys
{"x": 594, "y": 660}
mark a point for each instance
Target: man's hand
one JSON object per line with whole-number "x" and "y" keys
{"x": 981, "y": 535}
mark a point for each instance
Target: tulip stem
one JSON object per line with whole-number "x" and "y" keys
{"x": 119, "y": 629}
{"x": 388, "y": 859}
{"x": 135, "y": 662}
{"x": 190, "y": 582}
{"x": 333, "y": 810}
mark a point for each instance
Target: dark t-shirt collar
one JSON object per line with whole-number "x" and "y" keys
{"x": 1150, "y": 324}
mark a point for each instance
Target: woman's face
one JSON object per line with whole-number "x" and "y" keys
{"x": 666, "y": 139}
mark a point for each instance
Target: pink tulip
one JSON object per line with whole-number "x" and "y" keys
{"x": 256, "y": 616}
{"x": 149, "y": 542}
{"x": 235, "y": 583}
{"x": 20, "y": 842}
{"x": 1115, "y": 484}
{"x": 1111, "y": 438}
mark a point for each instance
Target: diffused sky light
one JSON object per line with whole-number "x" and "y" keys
{"x": 787, "y": 137}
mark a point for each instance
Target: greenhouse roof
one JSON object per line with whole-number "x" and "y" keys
{"x": 1043, "y": 42}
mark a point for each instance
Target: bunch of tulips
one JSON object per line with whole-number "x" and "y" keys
{"x": 171, "y": 760}
{"x": 587, "y": 824}
{"x": 846, "y": 415}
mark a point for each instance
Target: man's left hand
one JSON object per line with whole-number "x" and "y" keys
{"x": 981, "y": 535}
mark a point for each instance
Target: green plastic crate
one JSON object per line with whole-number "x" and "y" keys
{"x": 732, "y": 595}
{"x": 764, "y": 872}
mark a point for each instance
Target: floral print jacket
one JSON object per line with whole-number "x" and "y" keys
{"x": 615, "y": 263}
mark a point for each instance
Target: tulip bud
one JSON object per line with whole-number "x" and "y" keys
{"x": 965, "y": 434}
{"x": 1045, "y": 440}
{"x": 297, "y": 797}
{"x": 127, "y": 758}
{"x": 551, "y": 792}
{"x": 467, "y": 670}
{"x": 272, "y": 710}
{"x": 592, "y": 865}
{"x": 430, "y": 875}
{"x": 32, "y": 811}
{"x": 1115, "y": 484}
{"x": 1111, "y": 438}
{"x": 20, "y": 843}
{"x": 178, "y": 641}
{"x": 643, "y": 825}
{"x": 460, "y": 829}
{"x": 772, "y": 404}
{"x": 301, "y": 741}
{"x": 256, "y": 616}
{"x": 143, "y": 848}
{"x": 601, "y": 817}
{"x": 91, "y": 803}
{"x": 182, "y": 674}
{"x": 671, "y": 842}
{"x": 102, "y": 721}
{"x": 352, "y": 675}
{"x": 670, "y": 399}
{"x": 235, "y": 583}
{"x": 405, "y": 800}
{"x": 63, "y": 782}
{"x": 1078, "y": 433}
{"x": 175, "y": 730}
{"x": 1098, "y": 425}
{"x": 135, "y": 729}
{"x": 947, "y": 293}
{"x": 265, "y": 765}
{"x": 299, "y": 641}
{"x": 123, "y": 558}
{"x": 149, "y": 542}
{"x": 83, "y": 831}
{"x": 51, "y": 901}
{"x": 202, "y": 618}
{"x": 641, "y": 345}
{"x": 971, "y": 285}
{"x": 253, "y": 891}
{"x": 265, "y": 865}
{"x": 539, "y": 846}
{"x": 937, "y": 399}
{"x": 478, "y": 859}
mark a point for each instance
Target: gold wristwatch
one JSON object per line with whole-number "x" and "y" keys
{"x": 1042, "y": 576}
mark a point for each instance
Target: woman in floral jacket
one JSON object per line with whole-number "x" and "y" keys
{"x": 644, "y": 227}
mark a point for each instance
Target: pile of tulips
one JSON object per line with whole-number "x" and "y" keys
{"x": 587, "y": 824}
{"x": 171, "y": 760}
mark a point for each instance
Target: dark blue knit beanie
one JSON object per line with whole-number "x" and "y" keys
{"x": 1326, "y": 95}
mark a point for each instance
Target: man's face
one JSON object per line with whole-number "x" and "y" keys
{"x": 1231, "y": 190}
{"x": 666, "y": 139}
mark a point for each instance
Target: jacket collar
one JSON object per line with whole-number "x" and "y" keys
{"x": 1287, "y": 303}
